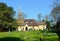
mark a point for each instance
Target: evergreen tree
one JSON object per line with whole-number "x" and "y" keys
{"x": 6, "y": 17}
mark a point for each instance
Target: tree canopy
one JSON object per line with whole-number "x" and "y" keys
{"x": 56, "y": 16}
{"x": 56, "y": 12}
{"x": 6, "y": 16}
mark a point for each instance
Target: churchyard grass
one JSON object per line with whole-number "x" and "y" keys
{"x": 28, "y": 36}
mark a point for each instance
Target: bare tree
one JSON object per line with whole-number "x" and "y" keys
{"x": 39, "y": 17}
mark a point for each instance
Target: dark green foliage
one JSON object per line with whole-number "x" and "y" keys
{"x": 43, "y": 20}
{"x": 6, "y": 17}
{"x": 56, "y": 16}
{"x": 58, "y": 29}
{"x": 10, "y": 39}
{"x": 48, "y": 25}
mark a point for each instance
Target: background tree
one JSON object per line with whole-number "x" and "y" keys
{"x": 46, "y": 17}
{"x": 39, "y": 16}
{"x": 56, "y": 11}
{"x": 24, "y": 15}
{"x": 6, "y": 16}
{"x": 47, "y": 21}
{"x": 43, "y": 20}
{"x": 56, "y": 16}
{"x": 48, "y": 24}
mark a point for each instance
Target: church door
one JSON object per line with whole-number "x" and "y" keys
{"x": 26, "y": 28}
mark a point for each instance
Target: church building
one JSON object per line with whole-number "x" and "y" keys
{"x": 29, "y": 24}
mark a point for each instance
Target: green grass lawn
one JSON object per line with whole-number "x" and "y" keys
{"x": 27, "y": 36}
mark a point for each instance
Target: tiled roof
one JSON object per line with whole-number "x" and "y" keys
{"x": 41, "y": 23}
{"x": 32, "y": 22}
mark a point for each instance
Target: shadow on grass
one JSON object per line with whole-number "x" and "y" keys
{"x": 10, "y": 39}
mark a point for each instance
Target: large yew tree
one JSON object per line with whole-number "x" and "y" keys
{"x": 6, "y": 17}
